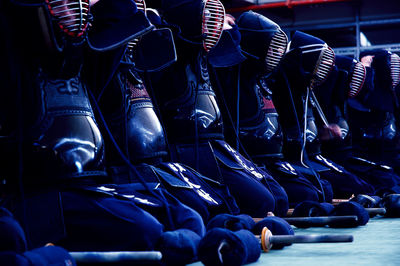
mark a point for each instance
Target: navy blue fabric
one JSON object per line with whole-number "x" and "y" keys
{"x": 257, "y": 32}
{"x": 252, "y": 197}
{"x": 297, "y": 187}
{"x": 227, "y": 52}
{"x": 115, "y": 22}
{"x": 12, "y": 236}
{"x": 278, "y": 191}
{"x": 249, "y": 220}
{"x": 367, "y": 201}
{"x": 328, "y": 207}
{"x": 187, "y": 15}
{"x": 277, "y": 226}
{"x": 252, "y": 245}
{"x": 50, "y": 255}
{"x": 381, "y": 97}
{"x": 309, "y": 60}
{"x": 248, "y": 182}
{"x": 182, "y": 216}
{"x": 12, "y": 258}
{"x": 350, "y": 208}
{"x": 208, "y": 199}
{"x": 231, "y": 222}
{"x": 179, "y": 247}
{"x": 344, "y": 184}
{"x": 243, "y": 247}
{"x": 382, "y": 180}
{"x": 311, "y": 209}
{"x": 315, "y": 178}
{"x": 98, "y": 222}
{"x": 391, "y": 203}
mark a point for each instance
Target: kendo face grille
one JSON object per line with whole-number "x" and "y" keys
{"x": 324, "y": 66}
{"x": 357, "y": 79}
{"x": 212, "y": 23}
{"x": 71, "y": 15}
{"x": 276, "y": 50}
{"x": 395, "y": 69}
{"x": 141, "y": 5}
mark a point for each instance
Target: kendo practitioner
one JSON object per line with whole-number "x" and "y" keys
{"x": 189, "y": 109}
{"x": 308, "y": 61}
{"x": 371, "y": 116}
{"x": 53, "y": 157}
{"x": 351, "y": 79}
{"x": 344, "y": 184}
{"x": 131, "y": 118}
{"x": 247, "y": 95}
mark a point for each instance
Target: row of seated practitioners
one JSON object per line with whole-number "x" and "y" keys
{"x": 129, "y": 126}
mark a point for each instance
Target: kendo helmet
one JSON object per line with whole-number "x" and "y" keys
{"x": 356, "y": 71}
{"x": 262, "y": 39}
{"x": 154, "y": 50}
{"x": 317, "y": 58}
{"x": 385, "y": 68}
{"x": 115, "y": 23}
{"x": 56, "y": 20}
{"x": 199, "y": 21}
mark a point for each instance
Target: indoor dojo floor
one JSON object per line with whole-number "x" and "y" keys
{"x": 376, "y": 243}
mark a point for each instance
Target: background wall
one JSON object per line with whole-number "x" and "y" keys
{"x": 348, "y": 26}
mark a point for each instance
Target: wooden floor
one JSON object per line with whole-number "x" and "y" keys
{"x": 376, "y": 243}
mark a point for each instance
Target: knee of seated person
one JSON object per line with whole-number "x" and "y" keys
{"x": 303, "y": 194}
{"x": 259, "y": 204}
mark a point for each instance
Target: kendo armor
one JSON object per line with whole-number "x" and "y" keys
{"x": 307, "y": 64}
{"x": 64, "y": 140}
{"x": 265, "y": 44}
{"x": 345, "y": 81}
{"x": 143, "y": 137}
{"x": 192, "y": 112}
{"x": 372, "y": 109}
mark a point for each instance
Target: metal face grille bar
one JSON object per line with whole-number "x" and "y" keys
{"x": 212, "y": 23}
{"x": 324, "y": 66}
{"x": 357, "y": 79}
{"x": 71, "y": 15}
{"x": 395, "y": 69}
{"x": 276, "y": 50}
{"x": 141, "y": 5}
